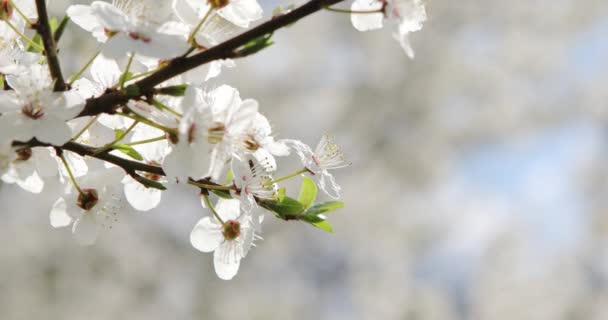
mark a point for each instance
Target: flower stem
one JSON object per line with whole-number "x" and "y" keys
{"x": 208, "y": 203}
{"x": 67, "y": 168}
{"x": 297, "y": 173}
{"x": 85, "y": 128}
{"x": 163, "y": 106}
{"x": 123, "y": 78}
{"x": 163, "y": 137}
{"x": 209, "y": 186}
{"x": 12, "y": 3}
{"x": 191, "y": 38}
{"x": 143, "y": 120}
{"x": 120, "y": 137}
{"x": 24, "y": 37}
{"x": 83, "y": 69}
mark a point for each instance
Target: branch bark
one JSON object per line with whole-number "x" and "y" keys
{"x": 43, "y": 27}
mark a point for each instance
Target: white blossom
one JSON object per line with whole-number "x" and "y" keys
{"x": 408, "y": 14}
{"x": 32, "y": 109}
{"x": 327, "y": 156}
{"x": 229, "y": 242}
{"x": 93, "y": 209}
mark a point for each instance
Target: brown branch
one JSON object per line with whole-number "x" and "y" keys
{"x": 43, "y": 28}
{"x": 107, "y": 102}
{"x": 129, "y": 166}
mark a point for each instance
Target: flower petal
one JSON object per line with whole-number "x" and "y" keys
{"x": 85, "y": 230}
{"x": 226, "y": 260}
{"x": 59, "y": 216}
{"x": 206, "y": 235}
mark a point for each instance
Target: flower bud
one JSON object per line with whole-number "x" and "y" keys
{"x": 218, "y": 4}
{"x": 6, "y": 10}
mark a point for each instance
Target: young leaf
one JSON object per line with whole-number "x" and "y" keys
{"x": 175, "y": 91}
{"x": 323, "y": 207}
{"x": 255, "y": 45}
{"x": 129, "y": 151}
{"x": 324, "y": 225}
{"x": 308, "y": 192}
{"x": 149, "y": 183}
{"x": 222, "y": 194}
{"x": 286, "y": 208}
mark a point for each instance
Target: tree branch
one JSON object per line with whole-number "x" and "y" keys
{"x": 43, "y": 28}
{"x": 107, "y": 102}
{"x": 128, "y": 165}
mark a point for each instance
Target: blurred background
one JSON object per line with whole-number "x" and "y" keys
{"x": 477, "y": 191}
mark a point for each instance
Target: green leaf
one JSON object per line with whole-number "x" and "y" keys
{"x": 222, "y": 194}
{"x": 308, "y": 192}
{"x": 129, "y": 151}
{"x": 323, "y": 207}
{"x": 324, "y": 225}
{"x": 255, "y": 45}
{"x": 286, "y": 208}
{"x": 150, "y": 183}
{"x": 175, "y": 91}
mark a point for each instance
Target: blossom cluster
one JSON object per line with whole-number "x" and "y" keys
{"x": 184, "y": 132}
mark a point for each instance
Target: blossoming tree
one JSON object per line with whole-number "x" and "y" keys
{"x": 139, "y": 118}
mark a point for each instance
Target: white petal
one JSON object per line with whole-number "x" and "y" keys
{"x": 32, "y": 183}
{"x": 206, "y": 235}
{"x": 140, "y": 197}
{"x": 303, "y": 151}
{"x": 226, "y": 260}
{"x": 241, "y": 12}
{"x": 82, "y": 16}
{"x": 366, "y": 21}
{"x": 85, "y": 230}
{"x": 109, "y": 16}
{"x": 59, "y": 216}
{"x": 52, "y": 130}
{"x": 228, "y": 209}
{"x": 328, "y": 184}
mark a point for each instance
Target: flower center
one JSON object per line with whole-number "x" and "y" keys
{"x": 87, "y": 199}
{"x": 139, "y": 36}
{"x": 24, "y": 154}
{"x": 232, "y": 229}
{"x": 192, "y": 130}
{"x": 218, "y": 3}
{"x": 250, "y": 143}
{"x": 33, "y": 111}
{"x": 216, "y": 132}
{"x": 6, "y": 10}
